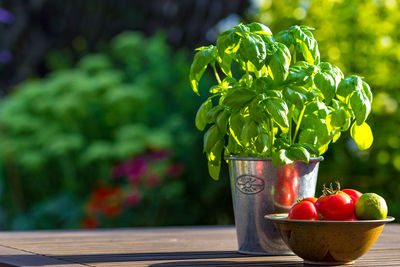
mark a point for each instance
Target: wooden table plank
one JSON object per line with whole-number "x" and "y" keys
{"x": 16, "y": 257}
{"x": 165, "y": 246}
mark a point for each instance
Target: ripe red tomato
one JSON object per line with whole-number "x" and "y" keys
{"x": 354, "y": 194}
{"x": 339, "y": 206}
{"x": 303, "y": 210}
{"x": 353, "y": 218}
{"x": 335, "y": 205}
{"x": 311, "y": 199}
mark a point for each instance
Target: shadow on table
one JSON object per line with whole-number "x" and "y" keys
{"x": 229, "y": 263}
{"x": 187, "y": 258}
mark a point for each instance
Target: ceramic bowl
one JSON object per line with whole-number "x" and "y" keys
{"x": 328, "y": 242}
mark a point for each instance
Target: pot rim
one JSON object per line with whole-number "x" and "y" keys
{"x": 318, "y": 159}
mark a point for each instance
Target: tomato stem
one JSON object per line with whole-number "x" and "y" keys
{"x": 327, "y": 191}
{"x": 338, "y": 185}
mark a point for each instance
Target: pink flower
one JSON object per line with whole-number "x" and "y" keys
{"x": 133, "y": 199}
{"x": 136, "y": 169}
{"x": 119, "y": 170}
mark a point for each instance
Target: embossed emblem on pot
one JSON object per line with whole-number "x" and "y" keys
{"x": 249, "y": 184}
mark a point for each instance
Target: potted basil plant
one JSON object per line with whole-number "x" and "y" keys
{"x": 272, "y": 113}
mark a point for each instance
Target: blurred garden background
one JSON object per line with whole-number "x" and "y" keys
{"x": 97, "y": 115}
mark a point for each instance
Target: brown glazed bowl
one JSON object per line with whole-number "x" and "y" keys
{"x": 328, "y": 242}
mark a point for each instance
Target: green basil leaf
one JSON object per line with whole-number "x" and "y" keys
{"x": 279, "y": 64}
{"x": 225, "y": 63}
{"x": 214, "y": 155}
{"x": 228, "y": 43}
{"x": 337, "y": 74}
{"x": 237, "y": 98}
{"x": 229, "y": 80}
{"x": 284, "y": 37}
{"x": 201, "y": 118}
{"x": 347, "y": 125}
{"x": 319, "y": 126}
{"x": 321, "y": 132}
{"x": 318, "y": 108}
{"x": 348, "y": 86}
{"x": 322, "y": 147}
{"x": 252, "y": 48}
{"x": 245, "y": 81}
{"x": 280, "y": 158}
{"x": 308, "y": 136}
{"x": 210, "y": 138}
{"x": 326, "y": 84}
{"x": 256, "y": 111}
{"x": 271, "y": 93}
{"x": 259, "y": 28}
{"x": 362, "y": 135}
{"x": 223, "y": 87}
{"x": 222, "y": 120}
{"x": 324, "y": 135}
{"x": 310, "y": 148}
{"x": 212, "y": 114}
{"x": 203, "y": 57}
{"x": 263, "y": 84}
{"x": 262, "y": 142}
{"x": 249, "y": 132}
{"x": 248, "y": 66}
{"x": 214, "y": 170}
{"x": 278, "y": 110}
{"x": 305, "y": 43}
{"x": 281, "y": 143}
{"x": 300, "y": 72}
{"x": 336, "y": 119}
{"x": 295, "y": 96}
{"x": 333, "y": 71}
{"x": 297, "y": 152}
{"x": 367, "y": 91}
{"x": 233, "y": 147}
{"x": 336, "y": 136}
{"x": 236, "y": 124}
{"x": 361, "y": 106}
{"x": 335, "y": 104}
{"x": 241, "y": 30}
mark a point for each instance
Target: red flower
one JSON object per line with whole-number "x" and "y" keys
{"x": 175, "y": 170}
{"x": 90, "y": 223}
{"x": 153, "y": 180}
{"x": 105, "y": 200}
{"x": 112, "y": 210}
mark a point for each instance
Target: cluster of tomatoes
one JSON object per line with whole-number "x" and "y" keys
{"x": 332, "y": 205}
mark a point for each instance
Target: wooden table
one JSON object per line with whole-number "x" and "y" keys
{"x": 167, "y": 246}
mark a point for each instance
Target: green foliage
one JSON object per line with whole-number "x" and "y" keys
{"x": 284, "y": 103}
{"x": 65, "y": 132}
{"x": 359, "y": 37}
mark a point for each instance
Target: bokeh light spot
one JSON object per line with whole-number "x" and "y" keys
{"x": 300, "y": 13}
{"x": 383, "y": 157}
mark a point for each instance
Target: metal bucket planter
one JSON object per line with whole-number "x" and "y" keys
{"x": 260, "y": 188}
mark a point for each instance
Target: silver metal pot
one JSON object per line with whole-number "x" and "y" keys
{"x": 260, "y": 188}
